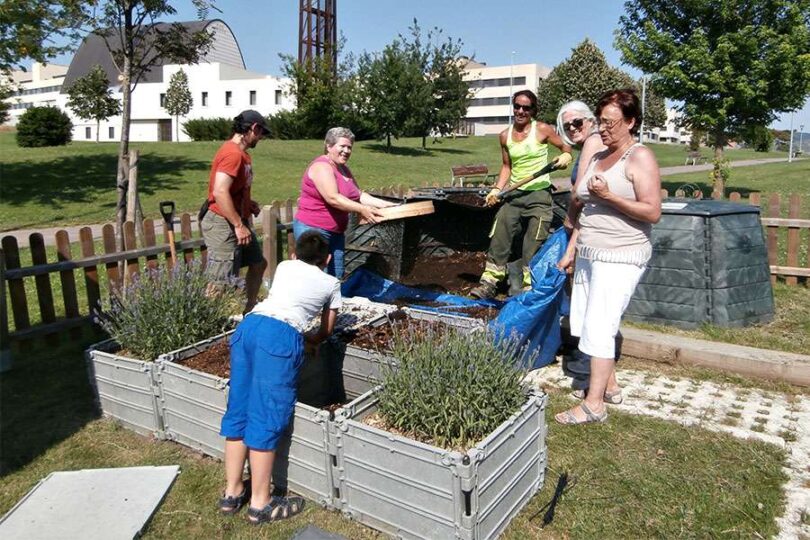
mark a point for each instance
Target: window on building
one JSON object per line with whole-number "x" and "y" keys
{"x": 503, "y": 81}
{"x": 87, "y": 134}
{"x": 111, "y": 131}
{"x": 278, "y": 97}
{"x": 253, "y": 97}
{"x": 162, "y": 100}
{"x": 204, "y": 99}
{"x": 228, "y": 98}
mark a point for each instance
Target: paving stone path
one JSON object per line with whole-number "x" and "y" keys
{"x": 746, "y": 413}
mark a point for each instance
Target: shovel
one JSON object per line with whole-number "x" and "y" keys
{"x": 545, "y": 170}
{"x": 167, "y": 211}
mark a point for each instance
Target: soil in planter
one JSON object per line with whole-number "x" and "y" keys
{"x": 456, "y": 273}
{"x": 215, "y": 360}
{"x": 379, "y": 337}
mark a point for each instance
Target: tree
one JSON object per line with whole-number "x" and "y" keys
{"x": 178, "y": 99}
{"x": 5, "y": 93}
{"x": 586, "y": 75}
{"x": 388, "y": 80}
{"x": 90, "y": 97}
{"x": 315, "y": 88}
{"x": 760, "y": 138}
{"x": 137, "y": 43}
{"x": 44, "y": 126}
{"x": 731, "y": 63}
{"x": 31, "y": 28}
{"x": 438, "y": 94}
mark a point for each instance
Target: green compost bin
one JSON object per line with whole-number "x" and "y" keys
{"x": 709, "y": 265}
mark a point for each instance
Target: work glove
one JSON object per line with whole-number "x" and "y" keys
{"x": 492, "y": 196}
{"x": 563, "y": 160}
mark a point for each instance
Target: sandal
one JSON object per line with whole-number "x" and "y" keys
{"x": 567, "y": 417}
{"x": 230, "y": 505}
{"x": 614, "y": 398}
{"x": 278, "y": 508}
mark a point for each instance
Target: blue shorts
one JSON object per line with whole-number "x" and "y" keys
{"x": 266, "y": 356}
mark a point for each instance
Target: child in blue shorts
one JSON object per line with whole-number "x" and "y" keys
{"x": 267, "y": 351}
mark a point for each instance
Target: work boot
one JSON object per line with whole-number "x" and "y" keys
{"x": 484, "y": 291}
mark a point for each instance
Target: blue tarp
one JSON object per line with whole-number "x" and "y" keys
{"x": 533, "y": 318}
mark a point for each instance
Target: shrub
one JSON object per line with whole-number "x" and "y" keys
{"x": 208, "y": 129}
{"x": 452, "y": 388}
{"x": 44, "y": 126}
{"x": 286, "y": 125}
{"x": 163, "y": 310}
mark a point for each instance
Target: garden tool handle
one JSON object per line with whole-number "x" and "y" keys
{"x": 167, "y": 211}
{"x": 545, "y": 170}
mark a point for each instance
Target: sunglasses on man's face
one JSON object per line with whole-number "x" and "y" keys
{"x": 519, "y": 107}
{"x": 576, "y": 123}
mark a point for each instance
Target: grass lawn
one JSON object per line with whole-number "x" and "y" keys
{"x": 633, "y": 477}
{"x": 75, "y": 184}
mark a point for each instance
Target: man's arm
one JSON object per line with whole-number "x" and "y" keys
{"x": 222, "y": 196}
{"x": 503, "y": 176}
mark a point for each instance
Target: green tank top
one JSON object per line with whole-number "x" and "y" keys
{"x": 528, "y": 156}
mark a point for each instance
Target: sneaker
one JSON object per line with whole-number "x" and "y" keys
{"x": 484, "y": 291}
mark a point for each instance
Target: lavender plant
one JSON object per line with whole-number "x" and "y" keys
{"x": 452, "y": 388}
{"x": 162, "y": 310}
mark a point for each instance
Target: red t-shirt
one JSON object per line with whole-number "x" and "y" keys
{"x": 236, "y": 163}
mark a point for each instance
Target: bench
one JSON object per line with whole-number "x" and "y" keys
{"x": 694, "y": 158}
{"x": 471, "y": 174}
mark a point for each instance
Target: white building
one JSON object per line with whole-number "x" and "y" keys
{"x": 670, "y": 133}
{"x": 490, "y": 109}
{"x": 220, "y": 85}
{"x": 38, "y": 87}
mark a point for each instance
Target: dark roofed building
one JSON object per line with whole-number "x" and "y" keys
{"x": 93, "y": 51}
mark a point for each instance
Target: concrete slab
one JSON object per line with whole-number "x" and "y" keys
{"x": 94, "y": 503}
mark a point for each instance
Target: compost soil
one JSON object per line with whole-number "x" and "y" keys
{"x": 215, "y": 360}
{"x": 457, "y": 273}
{"x": 473, "y": 200}
{"x": 380, "y": 337}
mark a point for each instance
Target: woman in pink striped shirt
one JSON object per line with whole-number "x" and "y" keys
{"x": 329, "y": 192}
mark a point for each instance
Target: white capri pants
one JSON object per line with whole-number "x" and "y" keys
{"x": 599, "y": 297}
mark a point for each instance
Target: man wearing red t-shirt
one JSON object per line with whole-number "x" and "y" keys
{"x": 226, "y": 229}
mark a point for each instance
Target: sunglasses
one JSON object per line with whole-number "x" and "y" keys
{"x": 518, "y": 107}
{"x": 576, "y": 123}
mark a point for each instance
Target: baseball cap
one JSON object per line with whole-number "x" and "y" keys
{"x": 250, "y": 117}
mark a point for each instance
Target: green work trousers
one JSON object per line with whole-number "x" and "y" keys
{"x": 529, "y": 214}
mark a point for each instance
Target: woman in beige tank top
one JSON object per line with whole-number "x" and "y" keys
{"x": 613, "y": 206}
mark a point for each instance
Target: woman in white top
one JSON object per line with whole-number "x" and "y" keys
{"x": 576, "y": 125}
{"x": 616, "y": 200}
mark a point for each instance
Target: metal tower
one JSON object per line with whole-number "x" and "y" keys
{"x": 317, "y": 31}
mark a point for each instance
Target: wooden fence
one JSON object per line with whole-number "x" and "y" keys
{"x": 277, "y": 238}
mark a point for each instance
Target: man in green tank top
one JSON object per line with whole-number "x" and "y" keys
{"x": 524, "y": 148}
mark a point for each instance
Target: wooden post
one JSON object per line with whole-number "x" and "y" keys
{"x": 133, "y": 266}
{"x": 113, "y": 276}
{"x": 90, "y": 272}
{"x": 734, "y": 196}
{"x": 290, "y": 236}
{"x": 68, "y": 281}
{"x": 773, "y": 247}
{"x": 794, "y": 209}
{"x": 754, "y": 199}
{"x": 185, "y": 234}
{"x": 664, "y": 193}
{"x": 43, "y": 284}
{"x": 5, "y": 344}
{"x": 270, "y": 239}
{"x": 149, "y": 241}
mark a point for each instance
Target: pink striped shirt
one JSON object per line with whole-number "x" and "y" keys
{"x": 314, "y": 211}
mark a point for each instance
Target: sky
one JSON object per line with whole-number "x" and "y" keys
{"x": 496, "y": 33}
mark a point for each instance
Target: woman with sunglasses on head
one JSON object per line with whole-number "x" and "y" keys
{"x": 616, "y": 200}
{"x": 524, "y": 151}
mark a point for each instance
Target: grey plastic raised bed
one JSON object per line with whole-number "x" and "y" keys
{"x": 193, "y": 403}
{"x": 125, "y": 388}
{"x": 410, "y": 489}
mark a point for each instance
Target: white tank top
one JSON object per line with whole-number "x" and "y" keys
{"x": 606, "y": 234}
